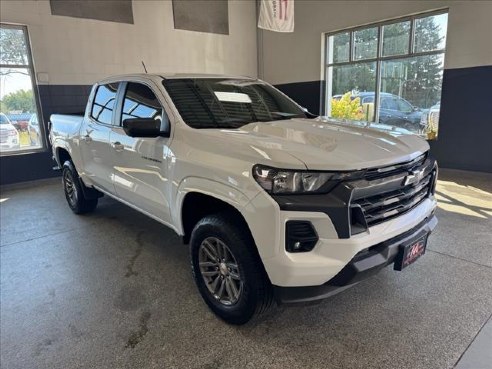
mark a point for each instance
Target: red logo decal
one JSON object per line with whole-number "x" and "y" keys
{"x": 415, "y": 251}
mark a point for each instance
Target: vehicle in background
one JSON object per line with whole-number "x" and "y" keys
{"x": 19, "y": 120}
{"x": 429, "y": 121}
{"x": 9, "y": 137}
{"x": 393, "y": 110}
{"x": 275, "y": 203}
{"x": 33, "y": 129}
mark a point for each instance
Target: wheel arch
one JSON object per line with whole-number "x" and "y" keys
{"x": 62, "y": 155}
{"x": 198, "y": 197}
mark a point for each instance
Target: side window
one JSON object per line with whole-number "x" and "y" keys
{"x": 404, "y": 106}
{"x": 141, "y": 102}
{"x": 104, "y": 103}
{"x": 385, "y": 103}
{"x": 389, "y": 103}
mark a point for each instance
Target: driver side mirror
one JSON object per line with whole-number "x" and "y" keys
{"x": 145, "y": 127}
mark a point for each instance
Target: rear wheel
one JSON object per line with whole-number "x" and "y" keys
{"x": 74, "y": 194}
{"x": 227, "y": 269}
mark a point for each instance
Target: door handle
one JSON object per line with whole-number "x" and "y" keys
{"x": 118, "y": 146}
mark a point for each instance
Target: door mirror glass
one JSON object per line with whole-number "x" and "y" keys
{"x": 144, "y": 127}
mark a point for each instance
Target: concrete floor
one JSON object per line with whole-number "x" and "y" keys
{"x": 114, "y": 290}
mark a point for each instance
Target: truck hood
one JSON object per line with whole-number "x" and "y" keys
{"x": 323, "y": 144}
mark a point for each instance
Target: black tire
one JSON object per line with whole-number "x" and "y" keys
{"x": 72, "y": 186}
{"x": 256, "y": 295}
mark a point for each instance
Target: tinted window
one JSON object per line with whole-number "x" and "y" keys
{"x": 141, "y": 102}
{"x": 404, "y": 106}
{"x": 389, "y": 103}
{"x": 104, "y": 103}
{"x": 228, "y": 103}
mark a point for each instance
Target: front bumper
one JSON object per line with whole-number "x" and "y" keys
{"x": 364, "y": 264}
{"x": 341, "y": 233}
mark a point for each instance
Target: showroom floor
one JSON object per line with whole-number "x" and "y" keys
{"x": 114, "y": 290}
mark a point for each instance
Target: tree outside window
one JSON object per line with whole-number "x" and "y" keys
{"x": 399, "y": 63}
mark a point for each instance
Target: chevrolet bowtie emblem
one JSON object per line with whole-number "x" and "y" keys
{"x": 414, "y": 177}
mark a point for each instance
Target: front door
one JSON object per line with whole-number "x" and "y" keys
{"x": 139, "y": 164}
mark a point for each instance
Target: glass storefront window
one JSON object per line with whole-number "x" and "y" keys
{"x": 20, "y": 124}
{"x": 388, "y": 74}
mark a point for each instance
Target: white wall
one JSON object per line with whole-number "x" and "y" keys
{"x": 82, "y": 51}
{"x": 296, "y": 57}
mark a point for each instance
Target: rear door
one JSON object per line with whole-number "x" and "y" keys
{"x": 95, "y": 148}
{"x": 140, "y": 164}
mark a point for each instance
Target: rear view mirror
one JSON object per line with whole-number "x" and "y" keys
{"x": 145, "y": 127}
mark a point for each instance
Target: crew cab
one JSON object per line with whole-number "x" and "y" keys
{"x": 276, "y": 204}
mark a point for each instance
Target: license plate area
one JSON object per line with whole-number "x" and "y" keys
{"x": 409, "y": 252}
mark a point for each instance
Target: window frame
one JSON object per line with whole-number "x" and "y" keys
{"x": 32, "y": 75}
{"x": 115, "y": 107}
{"x": 166, "y": 109}
{"x": 379, "y": 59}
{"x": 123, "y": 98}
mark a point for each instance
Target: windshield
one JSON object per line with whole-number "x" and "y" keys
{"x": 228, "y": 103}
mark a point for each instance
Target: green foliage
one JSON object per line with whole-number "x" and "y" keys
{"x": 418, "y": 79}
{"x": 346, "y": 108}
{"x": 13, "y": 48}
{"x": 20, "y": 100}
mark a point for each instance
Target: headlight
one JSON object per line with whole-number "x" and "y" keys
{"x": 281, "y": 181}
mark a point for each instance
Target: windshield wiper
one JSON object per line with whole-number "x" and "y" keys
{"x": 285, "y": 116}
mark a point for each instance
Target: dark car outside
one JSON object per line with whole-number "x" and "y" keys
{"x": 393, "y": 110}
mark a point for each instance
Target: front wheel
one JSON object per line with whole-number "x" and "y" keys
{"x": 227, "y": 269}
{"x": 74, "y": 194}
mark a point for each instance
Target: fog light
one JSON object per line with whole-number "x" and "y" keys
{"x": 300, "y": 236}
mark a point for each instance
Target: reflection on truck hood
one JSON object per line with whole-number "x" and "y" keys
{"x": 322, "y": 144}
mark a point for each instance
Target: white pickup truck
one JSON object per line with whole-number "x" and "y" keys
{"x": 276, "y": 204}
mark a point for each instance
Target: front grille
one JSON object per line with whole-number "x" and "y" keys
{"x": 395, "y": 169}
{"x": 386, "y": 202}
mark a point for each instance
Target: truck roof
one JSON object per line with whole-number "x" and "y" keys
{"x": 124, "y": 77}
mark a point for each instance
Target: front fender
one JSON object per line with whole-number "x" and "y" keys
{"x": 228, "y": 194}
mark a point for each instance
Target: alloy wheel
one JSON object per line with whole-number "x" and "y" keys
{"x": 220, "y": 271}
{"x": 70, "y": 189}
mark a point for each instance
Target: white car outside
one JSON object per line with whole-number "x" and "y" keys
{"x": 9, "y": 137}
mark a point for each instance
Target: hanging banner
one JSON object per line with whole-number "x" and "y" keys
{"x": 277, "y": 15}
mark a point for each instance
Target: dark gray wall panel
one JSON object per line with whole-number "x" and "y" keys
{"x": 63, "y": 99}
{"x": 306, "y": 94}
{"x": 210, "y": 16}
{"x": 465, "y": 124}
{"x": 108, "y": 10}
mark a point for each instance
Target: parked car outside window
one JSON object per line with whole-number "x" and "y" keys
{"x": 9, "y": 137}
{"x": 394, "y": 110}
{"x": 33, "y": 129}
